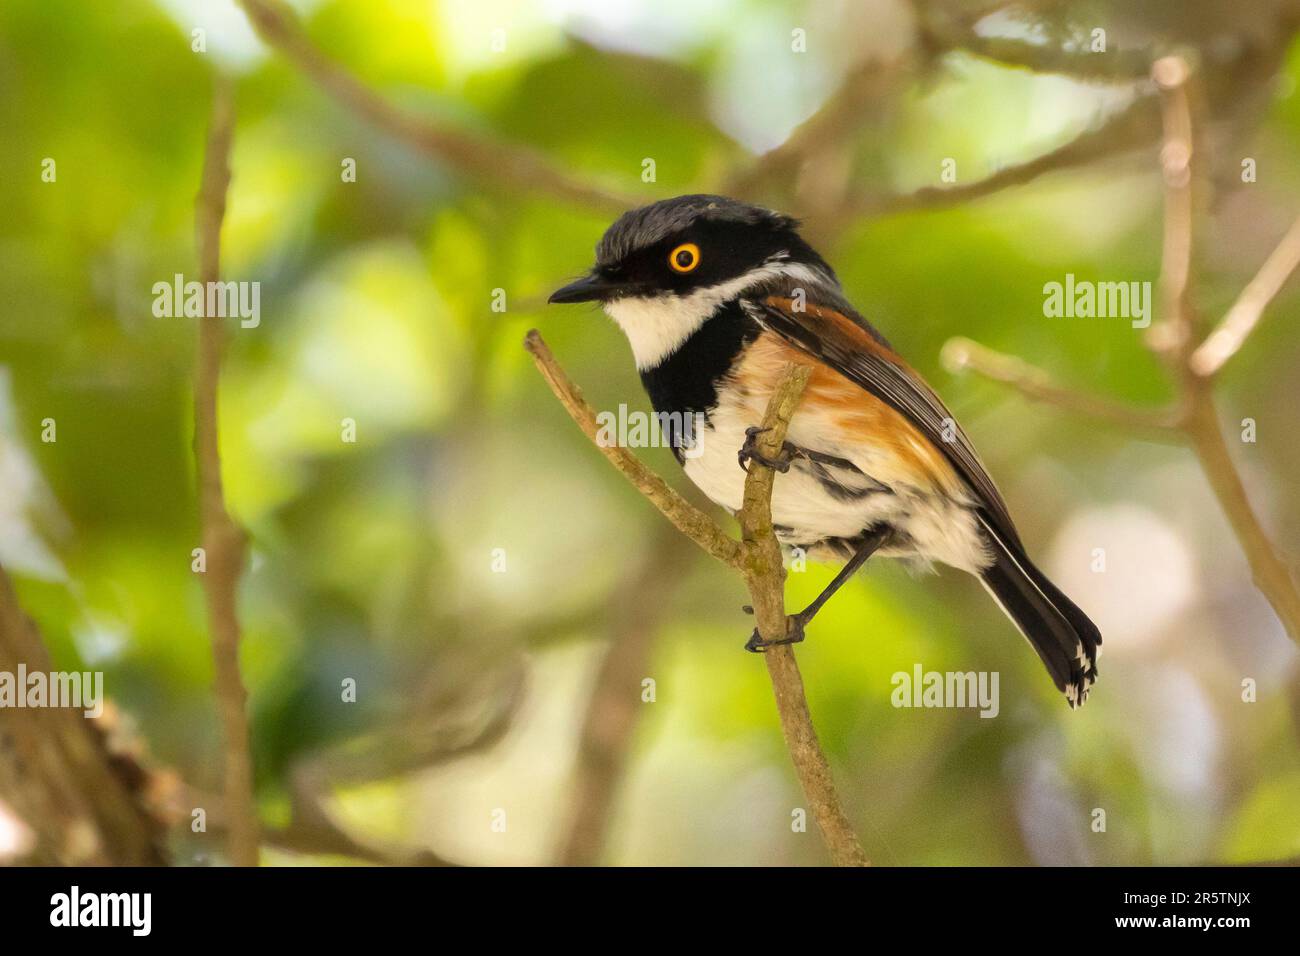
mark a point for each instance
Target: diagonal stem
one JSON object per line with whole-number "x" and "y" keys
{"x": 962, "y": 354}
{"x": 494, "y": 161}
{"x": 688, "y": 519}
{"x": 1243, "y": 318}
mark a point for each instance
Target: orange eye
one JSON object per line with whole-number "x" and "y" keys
{"x": 685, "y": 257}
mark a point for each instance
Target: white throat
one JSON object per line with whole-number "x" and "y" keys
{"x": 657, "y": 326}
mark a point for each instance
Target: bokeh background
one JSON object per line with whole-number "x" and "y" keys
{"x": 511, "y": 680}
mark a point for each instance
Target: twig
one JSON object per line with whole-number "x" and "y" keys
{"x": 1242, "y": 319}
{"x": 945, "y": 30}
{"x": 1269, "y": 571}
{"x": 1127, "y": 130}
{"x": 1172, "y": 336}
{"x": 855, "y": 102}
{"x": 491, "y": 161}
{"x": 758, "y": 558}
{"x": 449, "y": 724}
{"x": 688, "y": 519}
{"x": 223, "y": 540}
{"x": 962, "y": 354}
{"x": 845, "y": 111}
{"x": 765, "y": 576}
{"x": 327, "y": 839}
{"x": 313, "y": 831}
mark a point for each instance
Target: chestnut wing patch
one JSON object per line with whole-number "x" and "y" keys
{"x": 845, "y": 345}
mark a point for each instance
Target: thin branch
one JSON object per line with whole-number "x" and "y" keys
{"x": 313, "y": 829}
{"x": 1129, "y": 129}
{"x": 846, "y": 110}
{"x": 758, "y": 558}
{"x": 443, "y": 726}
{"x": 687, "y": 518}
{"x": 1172, "y": 336}
{"x": 946, "y": 30}
{"x": 1270, "y": 573}
{"x": 223, "y": 540}
{"x": 765, "y": 576}
{"x": 325, "y": 838}
{"x": 962, "y": 354}
{"x": 329, "y": 840}
{"x": 857, "y": 100}
{"x": 496, "y": 162}
{"x": 1243, "y": 318}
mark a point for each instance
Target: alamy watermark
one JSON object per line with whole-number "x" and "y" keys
{"x": 922, "y": 688}
{"x": 69, "y": 689}
{"x": 133, "y": 911}
{"x": 220, "y": 299}
{"x": 683, "y": 431}
{"x": 1103, "y": 300}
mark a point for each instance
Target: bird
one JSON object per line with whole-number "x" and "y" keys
{"x": 717, "y": 297}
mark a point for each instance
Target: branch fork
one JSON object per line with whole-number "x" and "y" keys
{"x": 1193, "y": 362}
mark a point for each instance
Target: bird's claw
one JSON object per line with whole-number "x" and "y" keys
{"x": 749, "y": 452}
{"x": 794, "y": 634}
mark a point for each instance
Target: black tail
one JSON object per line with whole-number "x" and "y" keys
{"x": 1066, "y": 640}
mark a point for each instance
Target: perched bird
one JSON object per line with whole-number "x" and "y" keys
{"x": 716, "y": 298}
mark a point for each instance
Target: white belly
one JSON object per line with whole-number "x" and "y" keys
{"x": 809, "y": 513}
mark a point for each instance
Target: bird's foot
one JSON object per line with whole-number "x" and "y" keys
{"x": 794, "y": 634}
{"x": 749, "y": 452}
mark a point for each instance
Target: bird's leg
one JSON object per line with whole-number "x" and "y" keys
{"x": 795, "y": 623}
{"x": 870, "y": 544}
{"x": 749, "y": 452}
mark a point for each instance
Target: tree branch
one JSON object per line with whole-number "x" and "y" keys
{"x": 827, "y": 131}
{"x": 1271, "y": 575}
{"x": 1172, "y": 336}
{"x": 962, "y": 354}
{"x": 758, "y": 558}
{"x": 496, "y": 162}
{"x": 1243, "y": 318}
{"x": 1128, "y": 129}
{"x": 1196, "y": 420}
{"x": 325, "y": 838}
{"x": 223, "y": 540}
{"x": 687, "y": 518}
{"x": 947, "y": 30}
{"x": 765, "y": 576}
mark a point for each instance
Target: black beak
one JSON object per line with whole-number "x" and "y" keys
{"x": 590, "y": 288}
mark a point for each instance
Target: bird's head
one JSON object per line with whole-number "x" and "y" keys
{"x": 662, "y": 270}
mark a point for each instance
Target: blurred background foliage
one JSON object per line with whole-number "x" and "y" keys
{"x": 374, "y": 560}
